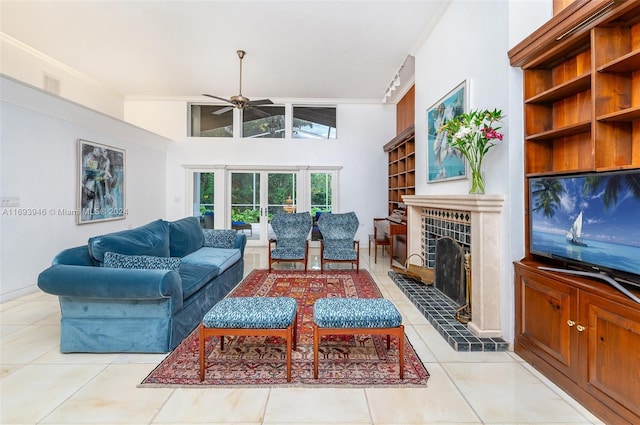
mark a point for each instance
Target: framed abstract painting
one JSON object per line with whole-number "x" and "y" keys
{"x": 444, "y": 162}
{"x": 101, "y": 188}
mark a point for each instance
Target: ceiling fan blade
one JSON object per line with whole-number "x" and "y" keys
{"x": 216, "y": 97}
{"x": 260, "y": 102}
{"x": 222, "y": 110}
{"x": 257, "y": 111}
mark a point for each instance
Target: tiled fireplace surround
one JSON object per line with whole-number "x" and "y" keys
{"x": 475, "y": 223}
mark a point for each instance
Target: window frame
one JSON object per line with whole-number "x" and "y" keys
{"x": 237, "y": 126}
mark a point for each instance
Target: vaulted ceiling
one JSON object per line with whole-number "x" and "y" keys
{"x": 302, "y": 49}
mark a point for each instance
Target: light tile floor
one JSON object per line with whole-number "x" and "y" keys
{"x": 39, "y": 385}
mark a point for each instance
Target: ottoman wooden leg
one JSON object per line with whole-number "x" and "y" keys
{"x": 289, "y": 353}
{"x": 316, "y": 341}
{"x": 295, "y": 331}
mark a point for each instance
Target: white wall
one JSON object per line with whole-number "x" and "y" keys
{"x": 362, "y": 131}
{"x": 28, "y": 65}
{"x": 38, "y": 164}
{"x": 470, "y": 42}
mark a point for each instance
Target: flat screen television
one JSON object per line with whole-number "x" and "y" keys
{"x": 589, "y": 222}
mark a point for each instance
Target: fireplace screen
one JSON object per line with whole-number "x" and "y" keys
{"x": 449, "y": 271}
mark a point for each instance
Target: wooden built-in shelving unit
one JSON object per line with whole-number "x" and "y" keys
{"x": 582, "y": 106}
{"x": 402, "y": 166}
{"x": 581, "y": 74}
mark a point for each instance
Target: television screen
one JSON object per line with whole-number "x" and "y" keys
{"x": 590, "y": 220}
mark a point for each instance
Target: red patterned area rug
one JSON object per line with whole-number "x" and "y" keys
{"x": 349, "y": 360}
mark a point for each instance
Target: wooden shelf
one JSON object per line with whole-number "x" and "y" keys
{"x": 571, "y": 87}
{"x": 556, "y": 133}
{"x": 627, "y": 63}
{"x": 624, "y": 115}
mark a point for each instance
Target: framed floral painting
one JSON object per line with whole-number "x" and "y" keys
{"x": 444, "y": 162}
{"x": 100, "y": 183}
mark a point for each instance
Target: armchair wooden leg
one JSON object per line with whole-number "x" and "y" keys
{"x": 201, "y": 331}
{"x": 401, "y": 350}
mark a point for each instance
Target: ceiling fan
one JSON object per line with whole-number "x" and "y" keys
{"x": 240, "y": 102}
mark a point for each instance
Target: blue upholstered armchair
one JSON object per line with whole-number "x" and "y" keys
{"x": 291, "y": 243}
{"x": 338, "y": 244}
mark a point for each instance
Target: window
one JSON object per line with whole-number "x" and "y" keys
{"x": 263, "y": 122}
{"x": 321, "y": 192}
{"x": 203, "y": 191}
{"x": 283, "y": 188}
{"x": 246, "y": 204}
{"x": 313, "y": 122}
{"x": 211, "y": 121}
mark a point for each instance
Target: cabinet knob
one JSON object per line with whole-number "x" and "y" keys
{"x": 570, "y": 322}
{"x": 580, "y": 328}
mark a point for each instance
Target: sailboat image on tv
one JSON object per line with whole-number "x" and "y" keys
{"x": 574, "y": 234}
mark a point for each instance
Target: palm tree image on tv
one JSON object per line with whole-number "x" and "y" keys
{"x": 546, "y": 195}
{"x": 591, "y": 219}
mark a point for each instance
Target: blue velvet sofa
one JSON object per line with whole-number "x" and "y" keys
{"x": 145, "y": 289}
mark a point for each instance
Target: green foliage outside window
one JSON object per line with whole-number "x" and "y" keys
{"x": 246, "y": 215}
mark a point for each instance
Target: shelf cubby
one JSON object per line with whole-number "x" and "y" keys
{"x": 571, "y": 87}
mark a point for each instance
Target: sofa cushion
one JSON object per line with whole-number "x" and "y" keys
{"x": 221, "y": 258}
{"x": 194, "y": 277}
{"x": 185, "y": 236}
{"x": 219, "y": 238}
{"x": 150, "y": 239}
{"x": 120, "y": 261}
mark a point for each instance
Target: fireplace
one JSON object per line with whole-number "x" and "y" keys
{"x": 473, "y": 221}
{"x": 445, "y": 239}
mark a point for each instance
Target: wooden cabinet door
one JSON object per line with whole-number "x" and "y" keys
{"x": 612, "y": 358}
{"x": 546, "y": 319}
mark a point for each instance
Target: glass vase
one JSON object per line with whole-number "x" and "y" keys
{"x": 477, "y": 181}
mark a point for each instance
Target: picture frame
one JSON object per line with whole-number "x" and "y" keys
{"x": 443, "y": 162}
{"x": 101, "y": 183}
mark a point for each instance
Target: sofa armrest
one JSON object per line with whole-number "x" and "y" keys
{"x": 240, "y": 242}
{"x": 78, "y": 256}
{"x": 111, "y": 283}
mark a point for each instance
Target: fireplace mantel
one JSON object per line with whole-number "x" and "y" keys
{"x": 485, "y": 213}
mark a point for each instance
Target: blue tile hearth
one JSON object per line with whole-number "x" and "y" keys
{"x": 440, "y": 311}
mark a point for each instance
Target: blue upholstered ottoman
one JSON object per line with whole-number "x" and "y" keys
{"x": 343, "y": 316}
{"x": 251, "y": 316}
